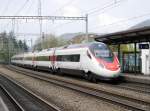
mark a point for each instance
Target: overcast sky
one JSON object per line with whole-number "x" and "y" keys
{"x": 105, "y": 16}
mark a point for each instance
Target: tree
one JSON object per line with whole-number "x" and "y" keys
{"x": 49, "y": 41}
{"x": 25, "y": 47}
{"x": 10, "y": 46}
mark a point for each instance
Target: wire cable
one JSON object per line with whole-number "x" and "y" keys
{"x": 6, "y": 8}
{"x": 105, "y": 7}
{"x": 63, "y": 6}
{"x": 96, "y": 10}
{"x": 124, "y": 20}
{"x": 29, "y": 8}
{"x": 17, "y": 12}
{"x": 22, "y": 7}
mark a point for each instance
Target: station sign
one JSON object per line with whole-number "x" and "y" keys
{"x": 143, "y": 46}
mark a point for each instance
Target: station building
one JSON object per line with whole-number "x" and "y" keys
{"x": 136, "y": 61}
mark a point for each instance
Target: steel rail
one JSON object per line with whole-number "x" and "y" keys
{"x": 30, "y": 98}
{"x": 142, "y": 89}
{"x": 127, "y": 86}
{"x": 122, "y": 100}
{"x": 12, "y": 99}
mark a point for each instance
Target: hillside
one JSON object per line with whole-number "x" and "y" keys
{"x": 69, "y": 36}
{"x": 78, "y": 37}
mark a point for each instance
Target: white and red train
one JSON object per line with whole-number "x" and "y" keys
{"x": 93, "y": 60}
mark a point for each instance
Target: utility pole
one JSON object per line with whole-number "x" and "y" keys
{"x": 43, "y": 39}
{"x": 86, "y": 20}
{"x": 149, "y": 59}
{"x": 31, "y": 43}
{"x": 40, "y": 19}
{"x": 9, "y": 50}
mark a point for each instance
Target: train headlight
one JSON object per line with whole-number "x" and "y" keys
{"x": 118, "y": 66}
{"x": 101, "y": 65}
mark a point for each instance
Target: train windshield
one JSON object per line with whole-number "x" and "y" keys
{"x": 102, "y": 51}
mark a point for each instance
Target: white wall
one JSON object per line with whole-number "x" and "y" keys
{"x": 145, "y": 61}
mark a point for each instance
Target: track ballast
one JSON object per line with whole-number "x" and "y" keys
{"x": 20, "y": 99}
{"x": 118, "y": 99}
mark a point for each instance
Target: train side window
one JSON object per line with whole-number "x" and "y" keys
{"x": 69, "y": 58}
{"x": 59, "y": 58}
{"x": 65, "y": 58}
{"x": 42, "y": 58}
{"x": 28, "y": 58}
{"x": 75, "y": 58}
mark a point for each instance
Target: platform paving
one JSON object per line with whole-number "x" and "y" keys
{"x": 137, "y": 78}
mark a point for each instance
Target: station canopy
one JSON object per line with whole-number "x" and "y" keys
{"x": 126, "y": 37}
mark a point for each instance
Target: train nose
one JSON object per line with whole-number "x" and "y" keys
{"x": 111, "y": 63}
{"x": 112, "y": 66}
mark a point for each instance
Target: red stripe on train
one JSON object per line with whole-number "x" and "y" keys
{"x": 113, "y": 66}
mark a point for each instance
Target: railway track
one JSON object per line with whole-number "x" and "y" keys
{"x": 143, "y": 88}
{"x": 124, "y": 84}
{"x": 20, "y": 99}
{"x": 118, "y": 99}
{"x": 137, "y": 87}
{"x": 7, "y": 102}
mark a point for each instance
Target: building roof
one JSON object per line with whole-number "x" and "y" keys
{"x": 125, "y": 37}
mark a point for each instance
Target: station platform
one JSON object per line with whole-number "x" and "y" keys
{"x": 145, "y": 79}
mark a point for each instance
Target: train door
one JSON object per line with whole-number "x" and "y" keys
{"x": 53, "y": 60}
{"x": 85, "y": 60}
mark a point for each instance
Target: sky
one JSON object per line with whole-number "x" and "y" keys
{"x": 104, "y": 16}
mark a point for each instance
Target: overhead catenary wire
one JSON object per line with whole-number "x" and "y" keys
{"x": 105, "y": 7}
{"x": 124, "y": 20}
{"x": 95, "y": 10}
{"x": 30, "y": 6}
{"x": 61, "y": 25}
{"x": 22, "y": 7}
{"x": 17, "y": 12}
{"x": 103, "y": 10}
{"x": 13, "y": 26}
{"x": 63, "y": 6}
{"x": 6, "y": 7}
{"x": 90, "y": 12}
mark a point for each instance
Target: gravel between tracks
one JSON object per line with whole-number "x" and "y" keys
{"x": 67, "y": 99}
{"x": 103, "y": 87}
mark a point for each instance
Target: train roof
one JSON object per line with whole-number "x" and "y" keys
{"x": 79, "y": 45}
{"x": 22, "y": 54}
{"x": 84, "y": 45}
